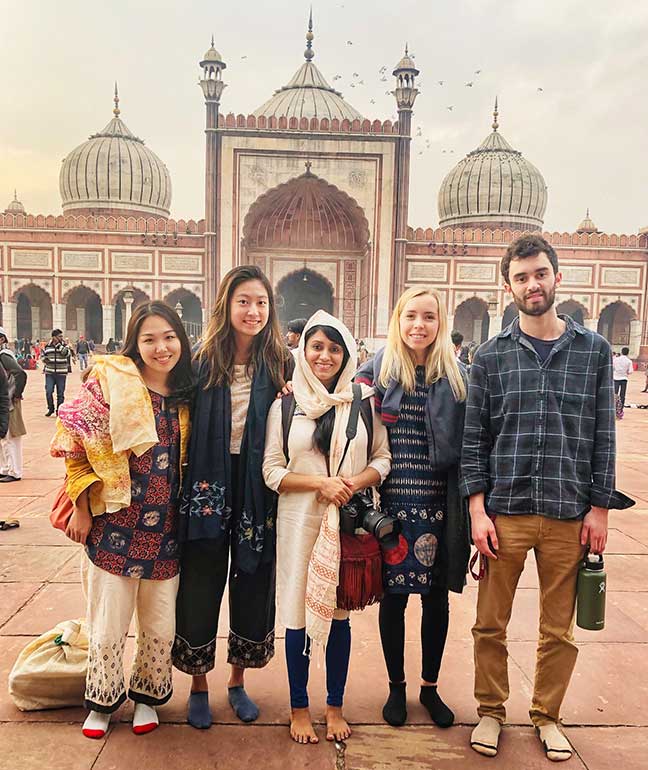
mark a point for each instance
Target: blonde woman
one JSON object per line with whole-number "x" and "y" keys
{"x": 420, "y": 393}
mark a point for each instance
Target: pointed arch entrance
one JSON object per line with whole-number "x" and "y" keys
{"x": 574, "y": 310}
{"x": 615, "y": 323}
{"x": 302, "y": 293}
{"x": 188, "y": 307}
{"x": 33, "y": 312}
{"x": 472, "y": 320}
{"x": 83, "y": 314}
{"x": 309, "y": 221}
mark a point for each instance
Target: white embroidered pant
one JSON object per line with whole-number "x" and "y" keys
{"x": 11, "y": 456}
{"x": 111, "y": 602}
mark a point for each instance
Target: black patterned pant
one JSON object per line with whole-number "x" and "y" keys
{"x": 203, "y": 576}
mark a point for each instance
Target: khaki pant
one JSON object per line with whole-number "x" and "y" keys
{"x": 558, "y": 551}
{"x": 111, "y": 602}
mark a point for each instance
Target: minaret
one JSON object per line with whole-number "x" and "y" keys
{"x": 405, "y": 93}
{"x": 212, "y": 85}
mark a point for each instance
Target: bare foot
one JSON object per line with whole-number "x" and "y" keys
{"x": 337, "y": 728}
{"x": 301, "y": 726}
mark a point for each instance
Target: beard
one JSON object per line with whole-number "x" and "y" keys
{"x": 539, "y": 308}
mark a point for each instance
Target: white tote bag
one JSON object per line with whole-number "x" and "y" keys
{"x": 51, "y": 671}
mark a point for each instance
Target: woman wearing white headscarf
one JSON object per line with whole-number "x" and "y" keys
{"x": 308, "y": 536}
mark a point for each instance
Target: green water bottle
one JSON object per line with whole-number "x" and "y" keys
{"x": 590, "y": 605}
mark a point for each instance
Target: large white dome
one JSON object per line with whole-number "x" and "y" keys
{"x": 493, "y": 186}
{"x": 115, "y": 172}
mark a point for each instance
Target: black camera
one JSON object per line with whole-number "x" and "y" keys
{"x": 360, "y": 511}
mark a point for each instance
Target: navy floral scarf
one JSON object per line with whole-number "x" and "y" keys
{"x": 206, "y": 506}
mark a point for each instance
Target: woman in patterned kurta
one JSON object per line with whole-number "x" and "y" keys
{"x": 124, "y": 441}
{"x": 420, "y": 391}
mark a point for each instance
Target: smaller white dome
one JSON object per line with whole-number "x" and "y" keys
{"x": 15, "y": 207}
{"x": 587, "y": 226}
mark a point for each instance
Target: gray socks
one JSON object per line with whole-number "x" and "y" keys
{"x": 199, "y": 714}
{"x": 244, "y": 707}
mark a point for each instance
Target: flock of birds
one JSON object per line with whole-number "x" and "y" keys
{"x": 384, "y": 76}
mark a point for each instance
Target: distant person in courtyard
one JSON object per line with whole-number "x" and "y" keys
{"x": 622, "y": 369}
{"x": 310, "y": 494}
{"x": 56, "y": 366}
{"x": 111, "y": 347}
{"x": 124, "y": 441}
{"x": 645, "y": 390}
{"x": 11, "y": 451}
{"x": 538, "y": 471}
{"x": 461, "y": 350}
{"x": 294, "y": 333}
{"x": 420, "y": 395}
{"x": 82, "y": 351}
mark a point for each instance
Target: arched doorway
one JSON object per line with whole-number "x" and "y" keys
{"x": 308, "y": 220}
{"x": 300, "y": 294}
{"x": 83, "y": 314}
{"x": 472, "y": 320}
{"x": 190, "y": 310}
{"x": 33, "y": 313}
{"x": 614, "y": 323}
{"x": 120, "y": 310}
{"x": 573, "y": 309}
{"x": 510, "y": 314}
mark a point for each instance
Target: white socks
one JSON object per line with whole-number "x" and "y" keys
{"x": 96, "y": 725}
{"x": 145, "y": 719}
{"x": 556, "y": 746}
{"x": 485, "y": 736}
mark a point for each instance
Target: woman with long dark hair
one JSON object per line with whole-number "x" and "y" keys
{"x": 311, "y": 488}
{"x": 227, "y": 511}
{"x": 124, "y": 441}
{"x": 420, "y": 394}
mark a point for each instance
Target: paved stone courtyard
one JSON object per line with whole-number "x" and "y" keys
{"x": 605, "y": 713}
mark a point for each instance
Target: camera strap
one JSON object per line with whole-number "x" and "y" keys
{"x": 352, "y": 425}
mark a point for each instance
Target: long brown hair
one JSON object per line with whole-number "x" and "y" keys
{"x": 218, "y": 347}
{"x": 180, "y": 377}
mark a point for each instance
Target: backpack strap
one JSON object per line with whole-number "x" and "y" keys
{"x": 287, "y": 414}
{"x": 367, "y": 418}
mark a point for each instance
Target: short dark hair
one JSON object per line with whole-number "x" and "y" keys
{"x": 527, "y": 246}
{"x": 57, "y": 333}
{"x": 297, "y": 325}
{"x": 625, "y": 351}
{"x": 456, "y": 337}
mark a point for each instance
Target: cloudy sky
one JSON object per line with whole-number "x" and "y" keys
{"x": 585, "y": 130}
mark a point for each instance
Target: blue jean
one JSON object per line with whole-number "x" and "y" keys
{"x": 51, "y": 381}
{"x": 83, "y": 361}
{"x": 338, "y": 652}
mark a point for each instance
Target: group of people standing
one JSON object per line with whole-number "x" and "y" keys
{"x": 188, "y": 474}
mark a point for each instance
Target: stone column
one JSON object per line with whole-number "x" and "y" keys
{"x": 58, "y": 317}
{"x": 591, "y": 324}
{"x": 494, "y": 325}
{"x": 635, "y": 338}
{"x": 128, "y": 310}
{"x": 36, "y": 322}
{"x": 81, "y": 322}
{"x": 108, "y": 322}
{"x": 9, "y": 320}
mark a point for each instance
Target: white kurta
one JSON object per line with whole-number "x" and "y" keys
{"x": 299, "y": 513}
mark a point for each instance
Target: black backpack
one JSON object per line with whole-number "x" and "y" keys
{"x": 288, "y": 411}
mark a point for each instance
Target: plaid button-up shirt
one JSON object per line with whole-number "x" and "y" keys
{"x": 540, "y": 436}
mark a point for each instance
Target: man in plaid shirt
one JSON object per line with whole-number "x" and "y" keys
{"x": 538, "y": 469}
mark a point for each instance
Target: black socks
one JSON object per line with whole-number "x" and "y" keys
{"x": 440, "y": 713}
{"x": 395, "y": 710}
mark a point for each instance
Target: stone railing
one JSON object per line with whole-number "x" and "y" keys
{"x": 454, "y": 235}
{"x": 145, "y": 225}
{"x": 324, "y": 125}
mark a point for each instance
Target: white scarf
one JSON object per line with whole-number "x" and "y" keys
{"x": 314, "y": 400}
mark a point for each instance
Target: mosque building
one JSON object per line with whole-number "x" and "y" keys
{"x": 317, "y": 195}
